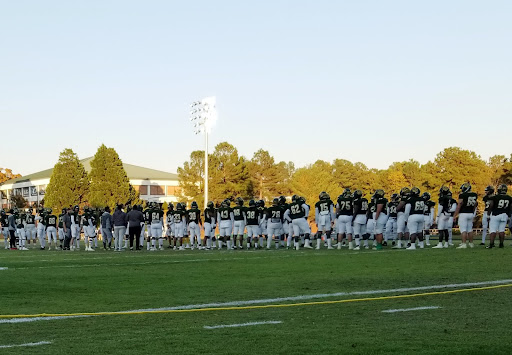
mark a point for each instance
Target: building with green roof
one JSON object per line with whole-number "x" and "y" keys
{"x": 153, "y": 185}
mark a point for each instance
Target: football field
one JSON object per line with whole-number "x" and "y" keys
{"x": 257, "y": 302}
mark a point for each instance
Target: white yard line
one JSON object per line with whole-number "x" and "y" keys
{"x": 409, "y": 309}
{"x": 35, "y": 319}
{"x": 3, "y": 268}
{"x": 285, "y": 299}
{"x": 242, "y": 324}
{"x": 26, "y": 344}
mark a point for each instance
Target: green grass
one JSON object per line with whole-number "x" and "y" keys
{"x": 476, "y": 322}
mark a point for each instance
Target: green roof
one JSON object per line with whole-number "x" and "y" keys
{"x": 133, "y": 172}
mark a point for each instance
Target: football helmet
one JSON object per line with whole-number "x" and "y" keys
{"x": 395, "y": 197}
{"x": 426, "y": 196}
{"x": 489, "y": 190}
{"x": 63, "y": 211}
{"x": 404, "y": 191}
{"x": 275, "y": 201}
{"x": 346, "y": 193}
{"x": 262, "y": 203}
{"x": 239, "y": 201}
{"x": 379, "y": 193}
{"x": 465, "y": 187}
{"x": 50, "y": 211}
{"x": 76, "y": 208}
{"x": 415, "y": 191}
{"x": 194, "y": 204}
{"x": 323, "y": 195}
{"x": 444, "y": 190}
{"x": 282, "y": 200}
{"x": 295, "y": 198}
{"x": 210, "y": 204}
{"x": 502, "y": 189}
{"x": 170, "y": 207}
{"x": 358, "y": 194}
{"x": 252, "y": 203}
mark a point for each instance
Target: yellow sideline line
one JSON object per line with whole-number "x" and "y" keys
{"x": 254, "y": 307}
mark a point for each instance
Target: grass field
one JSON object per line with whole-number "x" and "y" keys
{"x": 469, "y": 322}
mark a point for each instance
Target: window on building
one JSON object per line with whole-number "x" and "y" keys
{"x": 25, "y": 192}
{"x": 143, "y": 189}
{"x": 157, "y": 190}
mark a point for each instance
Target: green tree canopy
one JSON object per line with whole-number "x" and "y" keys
{"x": 109, "y": 182}
{"x": 69, "y": 183}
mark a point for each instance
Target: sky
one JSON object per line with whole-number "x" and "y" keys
{"x": 369, "y": 81}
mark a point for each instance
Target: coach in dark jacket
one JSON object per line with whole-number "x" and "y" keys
{"x": 120, "y": 222}
{"x": 135, "y": 219}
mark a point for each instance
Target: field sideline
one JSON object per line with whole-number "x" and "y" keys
{"x": 259, "y": 302}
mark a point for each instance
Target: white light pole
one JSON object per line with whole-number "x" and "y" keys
{"x": 204, "y": 116}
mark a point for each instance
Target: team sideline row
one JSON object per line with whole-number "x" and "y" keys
{"x": 405, "y": 220}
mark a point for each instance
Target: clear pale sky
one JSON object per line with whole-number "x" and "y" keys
{"x": 370, "y": 81}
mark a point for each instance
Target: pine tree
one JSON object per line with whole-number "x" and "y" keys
{"x": 69, "y": 183}
{"x": 109, "y": 182}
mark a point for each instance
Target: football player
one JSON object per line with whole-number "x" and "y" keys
{"x": 489, "y": 191}
{"x": 401, "y": 219}
{"x": 359, "y": 218}
{"x": 414, "y": 209}
{"x": 209, "y": 224}
{"x": 443, "y": 217}
{"x": 345, "y": 211}
{"x": 51, "y": 228}
{"x": 147, "y": 222}
{"x": 381, "y": 216}
{"x": 194, "y": 225}
{"x": 263, "y": 221}
{"x": 428, "y": 216}
{"x": 370, "y": 223}
{"x": 157, "y": 216}
{"x": 226, "y": 220}
{"x": 453, "y": 207}
{"x": 286, "y": 231}
{"x": 252, "y": 216}
{"x": 391, "y": 232}
{"x": 20, "y": 229}
{"x": 40, "y": 219}
{"x": 180, "y": 221}
{"x": 169, "y": 222}
{"x": 297, "y": 213}
{"x": 30, "y": 227}
{"x": 466, "y": 211}
{"x": 5, "y": 228}
{"x": 275, "y": 223}
{"x": 11, "y": 225}
{"x": 501, "y": 209}
{"x": 61, "y": 233}
{"x": 75, "y": 228}
{"x": 324, "y": 218}
{"x": 240, "y": 221}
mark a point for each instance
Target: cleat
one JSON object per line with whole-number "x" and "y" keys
{"x": 490, "y": 246}
{"x": 357, "y": 248}
{"x": 471, "y": 245}
{"x": 482, "y": 243}
{"x": 462, "y": 246}
{"x": 438, "y": 246}
{"x": 411, "y": 247}
{"x": 501, "y": 245}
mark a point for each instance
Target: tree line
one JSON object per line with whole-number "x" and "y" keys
{"x": 106, "y": 185}
{"x": 261, "y": 177}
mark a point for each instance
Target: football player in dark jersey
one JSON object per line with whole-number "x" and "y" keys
{"x": 401, "y": 219}
{"x": 253, "y": 220}
{"x": 263, "y": 222}
{"x": 4, "y": 228}
{"x": 286, "y": 230}
{"x": 239, "y": 223}
{"x": 30, "y": 227}
{"x": 489, "y": 191}
{"x": 194, "y": 225}
{"x": 275, "y": 216}
{"x": 443, "y": 217}
{"x": 296, "y": 214}
{"x": 324, "y": 218}
{"x": 501, "y": 210}
{"x": 391, "y": 233}
{"x": 381, "y": 216}
{"x": 344, "y": 212}
{"x": 226, "y": 219}
{"x": 359, "y": 218}
{"x": 415, "y": 208}
{"x": 428, "y": 216}
{"x": 466, "y": 211}
{"x": 51, "y": 228}
{"x": 209, "y": 224}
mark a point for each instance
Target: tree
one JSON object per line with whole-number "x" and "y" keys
{"x": 19, "y": 201}
{"x": 7, "y": 174}
{"x": 69, "y": 183}
{"x": 109, "y": 182}
{"x": 228, "y": 175}
{"x": 268, "y": 178}
{"x": 191, "y": 177}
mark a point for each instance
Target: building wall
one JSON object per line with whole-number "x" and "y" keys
{"x": 150, "y": 190}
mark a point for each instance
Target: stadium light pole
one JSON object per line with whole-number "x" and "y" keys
{"x": 204, "y": 116}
